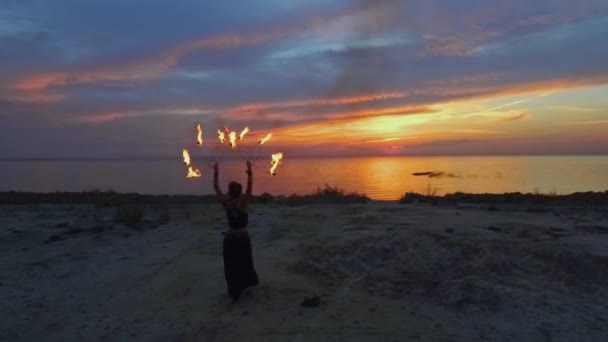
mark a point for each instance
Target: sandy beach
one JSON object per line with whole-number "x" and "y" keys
{"x": 384, "y": 271}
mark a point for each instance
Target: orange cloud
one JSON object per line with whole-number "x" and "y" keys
{"x": 334, "y": 117}
{"x": 371, "y": 125}
{"x": 33, "y": 97}
{"x": 143, "y": 70}
{"x": 469, "y": 87}
{"x": 320, "y": 101}
{"x": 105, "y": 117}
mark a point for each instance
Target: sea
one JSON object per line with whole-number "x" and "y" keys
{"x": 380, "y": 178}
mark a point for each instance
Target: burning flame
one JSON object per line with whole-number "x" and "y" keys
{"x": 186, "y": 157}
{"x": 276, "y": 158}
{"x": 243, "y": 133}
{"x": 199, "y": 138}
{"x": 232, "y": 136}
{"x": 221, "y": 136}
{"x": 265, "y": 139}
{"x": 193, "y": 173}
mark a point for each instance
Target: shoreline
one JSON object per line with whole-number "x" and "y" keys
{"x": 328, "y": 195}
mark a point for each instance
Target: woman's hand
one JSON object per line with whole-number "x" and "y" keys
{"x": 248, "y": 167}
{"x": 215, "y": 167}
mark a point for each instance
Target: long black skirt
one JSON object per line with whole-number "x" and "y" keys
{"x": 238, "y": 264}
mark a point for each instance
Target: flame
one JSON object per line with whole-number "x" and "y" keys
{"x": 232, "y": 136}
{"x": 199, "y": 138}
{"x": 186, "y": 157}
{"x": 276, "y": 158}
{"x": 193, "y": 173}
{"x": 265, "y": 139}
{"x": 243, "y": 133}
{"x": 221, "y": 136}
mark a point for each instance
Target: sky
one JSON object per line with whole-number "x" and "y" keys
{"x": 132, "y": 79}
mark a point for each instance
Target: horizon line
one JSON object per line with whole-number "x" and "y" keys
{"x": 296, "y": 156}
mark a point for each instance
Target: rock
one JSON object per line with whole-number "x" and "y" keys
{"x": 495, "y": 229}
{"x": 312, "y": 302}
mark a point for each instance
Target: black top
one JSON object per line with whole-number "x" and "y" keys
{"x": 236, "y": 218}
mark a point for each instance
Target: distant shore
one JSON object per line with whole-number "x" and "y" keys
{"x": 328, "y": 195}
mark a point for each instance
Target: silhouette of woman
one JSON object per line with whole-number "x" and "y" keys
{"x": 238, "y": 259}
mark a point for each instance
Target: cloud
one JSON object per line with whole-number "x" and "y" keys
{"x": 573, "y": 108}
{"x": 329, "y": 101}
{"x": 299, "y": 68}
{"x": 512, "y": 118}
{"x": 34, "y": 97}
{"x": 489, "y": 25}
{"x": 157, "y": 65}
{"x": 106, "y": 117}
{"x": 585, "y": 123}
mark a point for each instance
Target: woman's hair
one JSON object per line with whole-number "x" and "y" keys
{"x": 235, "y": 189}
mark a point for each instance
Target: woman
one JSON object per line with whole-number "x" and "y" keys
{"x": 238, "y": 260}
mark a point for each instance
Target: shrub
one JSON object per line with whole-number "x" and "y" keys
{"x": 129, "y": 215}
{"x": 265, "y": 198}
{"x": 328, "y": 195}
{"x": 410, "y": 197}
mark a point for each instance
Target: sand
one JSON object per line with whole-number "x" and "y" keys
{"x": 384, "y": 272}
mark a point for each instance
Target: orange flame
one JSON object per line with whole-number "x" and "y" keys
{"x": 232, "y": 136}
{"x": 243, "y": 133}
{"x": 193, "y": 173}
{"x": 265, "y": 139}
{"x": 221, "y": 136}
{"x": 199, "y": 138}
{"x": 186, "y": 157}
{"x": 276, "y": 158}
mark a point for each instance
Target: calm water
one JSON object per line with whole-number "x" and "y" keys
{"x": 379, "y": 178}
